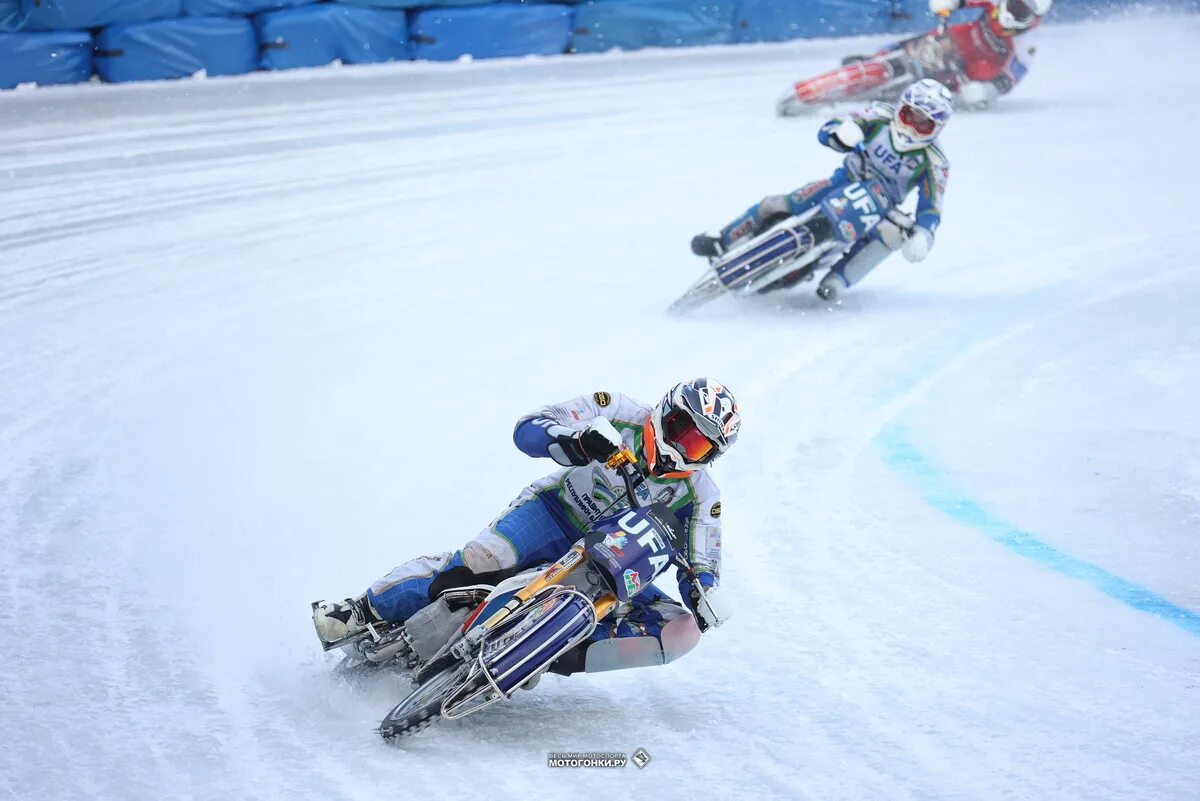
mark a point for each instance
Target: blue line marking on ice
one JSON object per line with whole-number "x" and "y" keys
{"x": 939, "y": 492}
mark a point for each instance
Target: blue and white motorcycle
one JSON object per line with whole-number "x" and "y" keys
{"x": 795, "y": 248}
{"x": 475, "y": 646}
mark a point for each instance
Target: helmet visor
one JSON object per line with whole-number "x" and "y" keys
{"x": 916, "y": 119}
{"x": 681, "y": 433}
{"x": 1020, "y": 10}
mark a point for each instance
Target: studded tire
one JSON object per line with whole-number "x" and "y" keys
{"x": 423, "y": 706}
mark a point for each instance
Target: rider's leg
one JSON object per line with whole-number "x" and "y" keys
{"x": 526, "y": 534}
{"x": 772, "y": 209}
{"x": 760, "y": 217}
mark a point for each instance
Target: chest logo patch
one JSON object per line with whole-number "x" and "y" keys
{"x": 602, "y": 399}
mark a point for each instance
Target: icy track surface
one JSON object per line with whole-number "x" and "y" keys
{"x": 261, "y": 339}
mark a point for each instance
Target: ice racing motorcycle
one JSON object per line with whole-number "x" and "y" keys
{"x": 882, "y": 76}
{"x": 475, "y": 646}
{"x": 795, "y": 248}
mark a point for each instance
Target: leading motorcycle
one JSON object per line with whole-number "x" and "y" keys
{"x": 882, "y": 76}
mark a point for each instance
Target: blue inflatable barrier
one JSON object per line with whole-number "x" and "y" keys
{"x": 235, "y": 8}
{"x": 413, "y": 3}
{"x": 45, "y": 58}
{"x": 176, "y": 48}
{"x": 60, "y": 15}
{"x": 495, "y": 31}
{"x": 10, "y": 15}
{"x": 314, "y": 35}
{"x": 630, "y": 24}
{"x": 777, "y": 20}
{"x": 1101, "y": 9}
{"x": 391, "y": 3}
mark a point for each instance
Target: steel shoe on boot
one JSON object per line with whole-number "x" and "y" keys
{"x": 828, "y": 288}
{"x": 337, "y": 620}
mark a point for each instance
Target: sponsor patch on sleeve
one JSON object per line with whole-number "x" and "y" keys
{"x": 715, "y": 511}
{"x": 602, "y": 399}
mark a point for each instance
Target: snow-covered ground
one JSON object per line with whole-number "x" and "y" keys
{"x": 263, "y": 338}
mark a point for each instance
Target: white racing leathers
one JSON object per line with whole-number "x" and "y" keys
{"x": 588, "y": 492}
{"x": 553, "y": 513}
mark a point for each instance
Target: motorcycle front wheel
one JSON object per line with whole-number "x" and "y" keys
{"x": 706, "y": 289}
{"x": 423, "y": 706}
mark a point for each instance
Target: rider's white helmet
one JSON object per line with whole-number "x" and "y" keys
{"x": 1017, "y": 15}
{"x": 924, "y": 109}
{"x": 691, "y": 426}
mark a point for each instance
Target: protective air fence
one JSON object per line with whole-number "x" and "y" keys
{"x": 176, "y": 48}
{"x": 62, "y": 15}
{"x": 10, "y": 15}
{"x": 631, "y": 24}
{"x": 235, "y": 8}
{"x": 313, "y": 35}
{"x": 778, "y": 20}
{"x": 493, "y": 31}
{"x": 45, "y": 58}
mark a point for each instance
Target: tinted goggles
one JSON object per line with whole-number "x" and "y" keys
{"x": 680, "y": 431}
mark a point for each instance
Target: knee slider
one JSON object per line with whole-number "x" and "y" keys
{"x": 480, "y": 559}
{"x": 773, "y": 206}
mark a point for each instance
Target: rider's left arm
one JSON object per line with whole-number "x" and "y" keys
{"x": 931, "y": 188}
{"x": 704, "y": 540}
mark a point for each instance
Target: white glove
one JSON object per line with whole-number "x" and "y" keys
{"x": 976, "y": 94}
{"x": 917, "y": 246}
{"x": 943, "y": 6}
{"x": 894, "y": 229}
{"x": 846, "y": 136}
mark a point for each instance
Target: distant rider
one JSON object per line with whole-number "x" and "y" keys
{"x": 676, "y": 441}
{"x": 898, "y": 146}
{"x": 990, "y": 55}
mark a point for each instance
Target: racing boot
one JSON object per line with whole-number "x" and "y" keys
{"x": 709, "y": 246}
{"x": 828, "y": 288}
{"x": 338, "y": 620}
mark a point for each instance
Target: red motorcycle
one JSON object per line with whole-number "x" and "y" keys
{"x": 882, "y": 76}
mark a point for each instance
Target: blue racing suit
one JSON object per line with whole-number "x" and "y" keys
{"x": 925, "y": 169}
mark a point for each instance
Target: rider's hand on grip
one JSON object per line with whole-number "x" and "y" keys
{"x": 895, "y": 228}
{"x": 943, "y": 6}
{"x": 596, "y": 446}
{"x": 706, "y": 618}
{"x": 599, "y": 442}
{"x": 846, "y": 136}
